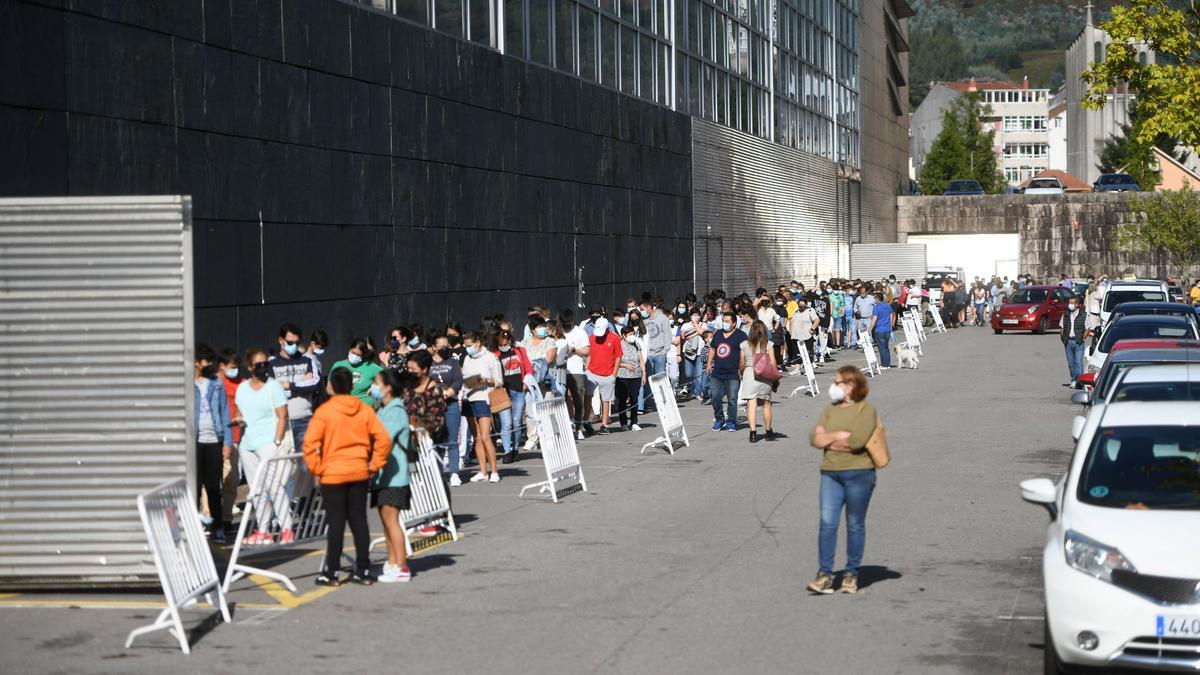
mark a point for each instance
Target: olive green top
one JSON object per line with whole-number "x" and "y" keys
{"x": 857, "y": 418}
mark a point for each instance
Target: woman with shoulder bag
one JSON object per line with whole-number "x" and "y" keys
{"x": 851, "y": 437}
{"x": 760, "y": 379}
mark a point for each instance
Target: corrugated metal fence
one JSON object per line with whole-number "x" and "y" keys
{"x": 96, "y": 390}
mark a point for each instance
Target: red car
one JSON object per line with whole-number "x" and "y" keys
{"x": 1035, "y": 308}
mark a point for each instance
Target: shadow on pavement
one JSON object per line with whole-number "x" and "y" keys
{"x": 872, "y": 574}
{"x": 427, "y": 563}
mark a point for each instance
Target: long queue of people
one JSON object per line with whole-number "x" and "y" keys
{"x": 467, "y": 390}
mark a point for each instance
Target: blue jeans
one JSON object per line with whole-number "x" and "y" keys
{"x": 654, "y": 366}
{"x": 1074, "y": 358}
{"x": 980, "y": 311}
{"x": 883, "y": 341}
{"x": 699, "y": 378}
{"x": 851, "y": 489}
{"x": 850, "y": 337}
{"x": 299, "y": 428}
{"x": 691, "y": 373}
{"x": 453, "y": 423}
{"x": 511, "y": 429}
{"x": 721, "y": 388}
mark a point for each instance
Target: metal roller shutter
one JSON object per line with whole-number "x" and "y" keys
{"x": 876, "y": 261}
{"x": 96, "y": 394}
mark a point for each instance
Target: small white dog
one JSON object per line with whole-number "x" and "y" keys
{"x": 906, "y": 356}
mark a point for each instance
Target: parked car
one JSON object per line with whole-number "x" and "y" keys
{"x": 1159, "y": 308}
{"x": 1143, "y": 326}
{"x": 1034, "y": 308}
{"x": 1156, "y": 382}
{"x": 1176, "y": 294}
{"x": 963, "y": 187}
{"x": 1131, "y": 290}
{"x": 1119, "y": 562}
{"x": 1128, "y": 354}
{"x": 1115, "y": 182}
{"x": 1044, "y": 186}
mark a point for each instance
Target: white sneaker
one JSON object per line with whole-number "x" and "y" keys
{"x": 636, "y": 428}
{"x": 480, "y": 476}
{"x": 455, "y": 481}
{"x": 579, "y": 434}
{"x": 495, "y": 477}
{"x": 394, "y": 574}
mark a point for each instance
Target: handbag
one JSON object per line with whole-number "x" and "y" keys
{"x": 498, "y": 400}
{"x": 877, "y": 446}
{"x": 764, "y": 370}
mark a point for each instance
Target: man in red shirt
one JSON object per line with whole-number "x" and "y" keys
{"x": 604, "y": 358}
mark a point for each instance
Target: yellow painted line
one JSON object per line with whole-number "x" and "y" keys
{"x": 9, "y": 595}
{"x": 117, "y": 604}
{"x": 286, "y": 598}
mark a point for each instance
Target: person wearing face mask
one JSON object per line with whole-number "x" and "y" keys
{"x": 230, "y": 370}
{"x": 262, "y": 403}
{"x": 539, "y": 348}
{"x": 360, "y": 360}
{"x": 658, "y": 343}
{"x": 296, "y": 374}
{"x": 1073, "y": 329}
{"x": 390, "y": 489}
{"x": 631, "y": 377}
{"x": 514, "y": 366}
{"x": 214, "y": 442}
{"x": 481, "y": 373}
{"x": 604, "y": 359}
{"x": 447, "y": 371}
{"x": 847, "y": 475}
{"x": 317, "y": 343}
{"x": 724, "y": 368}
{"x": 691, "y": 340}
{"x": 575, "y": 350}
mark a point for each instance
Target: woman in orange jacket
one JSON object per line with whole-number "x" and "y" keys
{"x": 344, "y": 447}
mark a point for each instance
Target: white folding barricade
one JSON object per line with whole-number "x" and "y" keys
{"x": 868, "y": 346}
{"x": 911, "y": 340}
{"x": 559, "y": 452}
{"x": 809, "y": 375}
{"x": 915, "y": 317}
{"x": 668, "y": 414}
{"x": 181, "y": 556}
{"x": 284, "y": 508}
{"x": 429, "y": 505}
{"x": 533, "y": 394}
{"x": 939, "y": 326}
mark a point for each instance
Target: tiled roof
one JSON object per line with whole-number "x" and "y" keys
{"x": 1070, "y": 183}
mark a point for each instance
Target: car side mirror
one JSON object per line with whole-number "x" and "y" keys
{"x": 1041, "y": 491}
{"x": 1077, "y": 426}
{"x": 1080, "y": 398}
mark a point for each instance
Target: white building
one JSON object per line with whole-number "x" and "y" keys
{"x": 1057, "y": 157}
{"x": 1018, "y": 115}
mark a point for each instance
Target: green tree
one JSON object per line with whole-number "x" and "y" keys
{"x": 937, "y": 55}
{"x": 1129, "y": 154}
{"x": 962, "y": 150}
{"x": 1169, "y": 90}
{"x": 1166, "y": 223}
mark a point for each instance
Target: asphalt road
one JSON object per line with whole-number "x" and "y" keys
{"x": 684, "y": 564}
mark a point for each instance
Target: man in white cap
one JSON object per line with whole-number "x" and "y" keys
{"x": 604, "y": 358}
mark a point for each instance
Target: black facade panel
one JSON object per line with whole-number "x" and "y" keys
{"x": 349, "y": 171}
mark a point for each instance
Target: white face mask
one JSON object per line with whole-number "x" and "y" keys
{"x": 354, "y": 359}
{"x": 1072, "y": 306}
{"x": 836, "y": 393}
{"x": 631, "y": 339}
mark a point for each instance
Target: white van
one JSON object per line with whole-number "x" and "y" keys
{"x": 1132, "y": 290}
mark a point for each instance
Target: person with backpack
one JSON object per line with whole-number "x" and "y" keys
{"x": 346, "y": 445}
{"x": 390, "y": 491}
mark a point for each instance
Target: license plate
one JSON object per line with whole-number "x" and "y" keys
{"x": 1178, "y": 626}
{"x": 1009, "y": 322}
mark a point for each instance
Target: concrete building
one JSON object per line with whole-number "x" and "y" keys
{"x": 1056, "y": 158}
{"x": 1088, "y": 129}
{"x": 353, "y": 164}
{"x": 1018, "y": 115}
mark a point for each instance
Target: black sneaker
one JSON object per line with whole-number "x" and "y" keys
{"x": 362, "y": 578}
{"x": 603, "y": 431}
{"x": 328, "y": 579}
{"x": 509, "y": 457}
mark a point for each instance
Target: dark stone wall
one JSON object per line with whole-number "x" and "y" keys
{"x": 348, "y": 170}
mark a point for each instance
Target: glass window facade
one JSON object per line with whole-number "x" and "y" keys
{"x": 783, "y": 70}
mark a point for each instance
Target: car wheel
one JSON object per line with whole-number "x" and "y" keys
{"x": 997, "y": 331}
{"x": 1050, "y": 663}
{"x": 1041, "y": 327}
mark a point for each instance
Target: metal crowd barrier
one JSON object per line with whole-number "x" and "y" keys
{"x": 668, "y": 414}
{"x": 919, "y": 325}
{"x": 809, "y": 375}
{"x": 430, "y": 505}
{"x": 284, "y": 509}
{"x": 864, "y": 339}
{"x": 939, "y": 326}
{"x": 181, "y": 556}
{"x": 911, "y": 339}
{"x": 559, "y": 452}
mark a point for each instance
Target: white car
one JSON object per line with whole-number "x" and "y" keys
{"x": 1044, "y": 186}
{"x": 1131, "y": 290}
{"x": 1141, "y": 327}
{"x": 1121, "y": 564}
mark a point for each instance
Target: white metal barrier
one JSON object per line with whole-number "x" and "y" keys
{"x": 809, "y": 375}
{"x": 181, "y": 556}
{"x": 533, "y": 394}
{"x": 911, "y": 339}
{"x": 939, "y": 326}
{"x": 429, "y": 505}
{"x": 864, "y": 339}
{"x": 559, "y": 452}
{"x": 668, "y": 414}
{"x": 284, "y": 508}
{"x": 915, "y": 317}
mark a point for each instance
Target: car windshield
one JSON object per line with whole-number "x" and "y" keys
{"x": 1115, "y": 179}
{"x": 962, "y": 185}
{"x": 1149, "y": 467}
{"x": 1109, "y": 375}
{"x": 1043, "y": 183}
{"x": 1114, "y": 298}
{"x": 1156, "y": 391}
{"x": 1133, "y": 331}
{"x": 1180, "y": 310}
{"x": 1029, "y": 295}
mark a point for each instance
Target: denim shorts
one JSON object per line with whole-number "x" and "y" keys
{"x": 839, "y": 323}
{"x": 477, "y": 409}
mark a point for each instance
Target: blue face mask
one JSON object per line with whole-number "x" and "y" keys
{"x": 541, "y": 332}
{"x": 290, "y": 348}
{"x": 414, "y": 342}
{"x": 726, "y": 326}
{"x": 472, "y": 351}
{"x": 354, "y": 359}
{"x": 318, "y": 351}
{"x": 231, "y": 373}
{"x": 376, "y": 391}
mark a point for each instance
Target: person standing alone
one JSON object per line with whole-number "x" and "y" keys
{"x": 881, "y": 330}
{"x": 1072, "y": 330}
